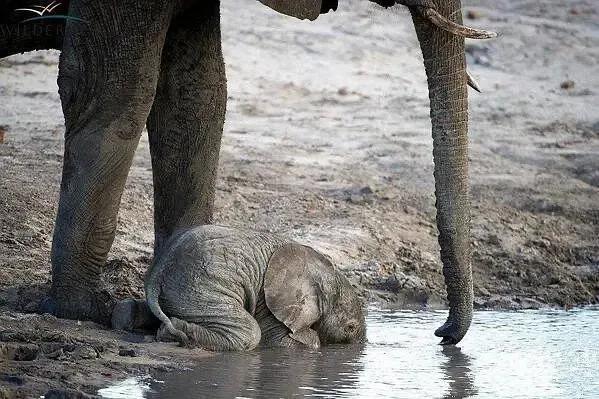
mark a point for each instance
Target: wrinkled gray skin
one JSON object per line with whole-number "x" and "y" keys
{"x": 159, "y": 63}
{"x": 226, "y": 289}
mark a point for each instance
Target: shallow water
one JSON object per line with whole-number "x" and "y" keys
{"x": 528, "y": 354}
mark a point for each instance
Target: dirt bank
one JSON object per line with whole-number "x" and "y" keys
{"x": 327, "y": 140}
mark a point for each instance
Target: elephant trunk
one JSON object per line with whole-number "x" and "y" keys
{"x": 444, "y": 60}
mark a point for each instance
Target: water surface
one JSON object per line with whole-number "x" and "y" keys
{"x": 527, "y": 354}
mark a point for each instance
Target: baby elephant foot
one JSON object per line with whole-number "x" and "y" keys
{"x": 229, "y": 335}
{"x": 133, "y": 314}
{"x": 164, "y": 335}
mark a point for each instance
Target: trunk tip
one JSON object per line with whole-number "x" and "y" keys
{"x": 452, "y": 332}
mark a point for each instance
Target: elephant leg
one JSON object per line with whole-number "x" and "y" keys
{"x": 276, "y": 334}
{"x": 235, "y": 330}
{"x": 108, "y": 73}
{"x": 186, "y": 121}
{"x": 133, "y": 314}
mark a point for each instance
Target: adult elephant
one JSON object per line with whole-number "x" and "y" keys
{"x": 129, "y": 63}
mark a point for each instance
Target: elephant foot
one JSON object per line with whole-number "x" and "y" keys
{"x": 133, "y": 314}
{"x": 80, "y": 305}
{"x": 164, "y": 335}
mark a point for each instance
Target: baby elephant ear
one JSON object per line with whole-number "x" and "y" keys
{"x": 291, "y": 285}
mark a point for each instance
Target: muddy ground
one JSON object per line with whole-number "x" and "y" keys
{"x": 327, "y": 140}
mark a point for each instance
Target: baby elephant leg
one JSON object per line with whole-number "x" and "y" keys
{"x": 133, "y": 314}
{"x": 276, "y": 334}
{"x": 236, "y": 330}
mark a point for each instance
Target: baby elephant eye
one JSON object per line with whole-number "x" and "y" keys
{"x": 351, "y": 327}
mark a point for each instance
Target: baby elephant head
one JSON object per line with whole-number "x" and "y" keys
{"x": 316, "y": 302}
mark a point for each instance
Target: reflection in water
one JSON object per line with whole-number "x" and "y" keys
{"x": 459, "y": 375}
{"x": 265, "y": 374}
{"x": 532, "y": 354}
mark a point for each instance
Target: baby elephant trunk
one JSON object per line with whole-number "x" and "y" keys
{"x": 343, "y": 322}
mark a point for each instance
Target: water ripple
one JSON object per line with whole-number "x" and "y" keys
{"x": 528, "y": 354}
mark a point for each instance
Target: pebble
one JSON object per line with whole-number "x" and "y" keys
{"x": 19, "y": 352}
{"x": 85, "y": 352}
{"x": 56, "y": 355}
{"x": 6, "y": 393}
{"x": 364, "y": 195}
{"x": 128, "y": 352}
{"x": 472, "y": 14}
{"x": 567, "y": 84}
{"x": 12, "y": 379}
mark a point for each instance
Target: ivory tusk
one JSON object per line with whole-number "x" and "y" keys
{"x": 472, "y": 82}
{"x": 460, "y": 30}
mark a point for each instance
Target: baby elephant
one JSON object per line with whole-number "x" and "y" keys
{"x": 228, "y": 289}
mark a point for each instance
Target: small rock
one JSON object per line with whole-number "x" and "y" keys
{"x": 541, "y": 242}
{"x": 128, "y": 352}
{"x": 360, "y": 196}
{"x": 483, "y": 291}
{"x": 31, "y": 307}
{"x": 366, "y": 190}
{"x": 13, "y": 336}
{"x": 12, "y": 379}
{"x": 138, "y": 338}
{"x": 555, "y": 280}
{"x": 162, "y": 368}
{"x": 530, "y": 303}
{"x": 85, "y": 352}
{"x": 567, "y": 84}
{"x": 493, "y": 239}
{"x": 391, "y": 284}
{"x": 99, "y": 348}
{"x": 343, "y": 91}
{"x": 48, "y": 317}
{"x": 56, "y": 355}
{"x": 501, "y": 302}
{"x": 355, "y": 199}
{"x": 6, "y": 393}
{"x": 472, "y": 14}
{"x": 19, "y": 352}
{"x": 479, "y": 303}
{"x": 478, "y": 53}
